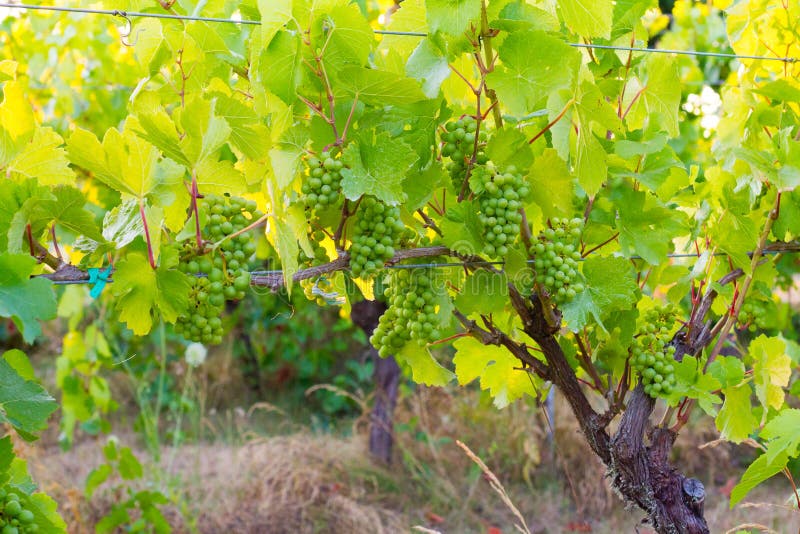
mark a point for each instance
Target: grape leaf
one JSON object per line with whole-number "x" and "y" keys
{"x": 287, "y": 248}
{"x": 286, "y": 153}
{"x": 344, "y": 35}
{"x": 783, "y": 433}
{"x": 694, "y": 383}
{"x": 17, "y": 123}
{"x": 534, "y": 65}
{"x": 509, "y": 146}
{"x": 378, "y": 87}
{"x": 552, "y": 185}
{"x": 95, "y": 478}
{"x": 520, "y": 15}
{"x": 62, "y": 206}
{"x": 424, "y": 367}
{"x": 760, "y": 470}
{"x": 279, "y": 66}
{"x": 14, "y": 195}
{"x": 247, "y": 133}
{"x": 498, "y": 370}
{"x": 274, "y": 15}
{"x": 587, "y": 18}
{"x": 25, "y": 300}
{"x": 42, "y": 158}
{"x": 462, "y": 229}
{"x": 19, "y": 361}
{"x": 420, "y": 186}
{"x": 610, "y": 286}
{"x": 779, "y": 90}
{"x": 646, "y": 227}
{"x": 24, "y": 404}
{"x": 141, "y": 291}
{"x": 658, "y": 95}
{"x": 220, "y": 177}
{"x": 452, "y": 16}
{"x": 772, "y": 368}
{"x": 728, "y": 370}
{"x": 152, "y": 49}
{"x": 735, "y": 420}
{"x": 483, "y": 292}
{"x": 377, "y": 166}
{"x": 156, "y": 127}
{"x": 205, "y": 131}
{"x": 427, "y": 65}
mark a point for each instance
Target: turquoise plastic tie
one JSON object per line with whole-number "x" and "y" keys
{"x": 98, "y": 277}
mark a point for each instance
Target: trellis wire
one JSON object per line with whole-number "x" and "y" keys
{"x": 446, "y": 265}
{"x": 141, "y": 14}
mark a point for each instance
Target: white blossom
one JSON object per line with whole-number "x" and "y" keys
{"x": 195, "y": 354}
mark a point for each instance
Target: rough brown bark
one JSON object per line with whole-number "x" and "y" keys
{"x": 386, "y": 376}
{"x": 639, "y": 471}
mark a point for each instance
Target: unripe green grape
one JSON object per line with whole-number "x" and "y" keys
{"x": 556, "y": 259}
{"x": 323, "y": 187}
{"x": 411, "y": 313}
{"x": 653, "y": 356}
{"x": 374, "y": 239}
{"x": 226, "y": 268}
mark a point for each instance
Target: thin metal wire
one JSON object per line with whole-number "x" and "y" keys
{"x": 130, "y": 14}
{"x": 683, "y": 52}
{"x": 140, "y": 14}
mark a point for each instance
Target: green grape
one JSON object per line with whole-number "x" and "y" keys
{"x": 555, "y": 252}
{"x": 651, "y": 354}
{"x": 504, "y": 194}
{"x": 320, "y": 254}
{"x": 411, "y": 315}
{"x": 753, "y": 315}
{"x": 378, "y": 230}
{"x": 226, "y": 268}
{"x": 322, "y": 185}
{"x": 458, "y": 144}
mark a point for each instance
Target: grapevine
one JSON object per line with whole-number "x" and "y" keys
{"x": 320, "y": 254}
{"x": 653, "y": 357}
{"x": 15, "y": 517}
{"x": 556, "y": 257}
{"x": 752, "y": 316}
{"x": 458, "y": 144}
{"x": 226, "y": 267}
{"x": 378, "y": 230}
{"x": 503, "y": 196}
{"x": 411, "y": 315}
{"x": 322, "y": 187}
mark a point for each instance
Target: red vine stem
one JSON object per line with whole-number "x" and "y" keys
{"x": 195, "y": 196}
{"x": 150, "y": 255}
{"x": 553, "y": 122}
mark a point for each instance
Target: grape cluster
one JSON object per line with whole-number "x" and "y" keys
{"x": 652, "y": 356}
{"x": 320, "y": 254}
{"x": 323, "y": 186}
{"x": 411, "y": 296}
{"x": 226, "y": 268}
{"x": 378, "y": 230}
{"x": 458, "y": 144}
{"x": 752, "y": 316}
{"x": 556, "y": 256}
{"x": 503, "y": 195}
{"x": 15, "y": 518}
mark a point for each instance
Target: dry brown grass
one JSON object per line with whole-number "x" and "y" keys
{"x": 305, "y": 483}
